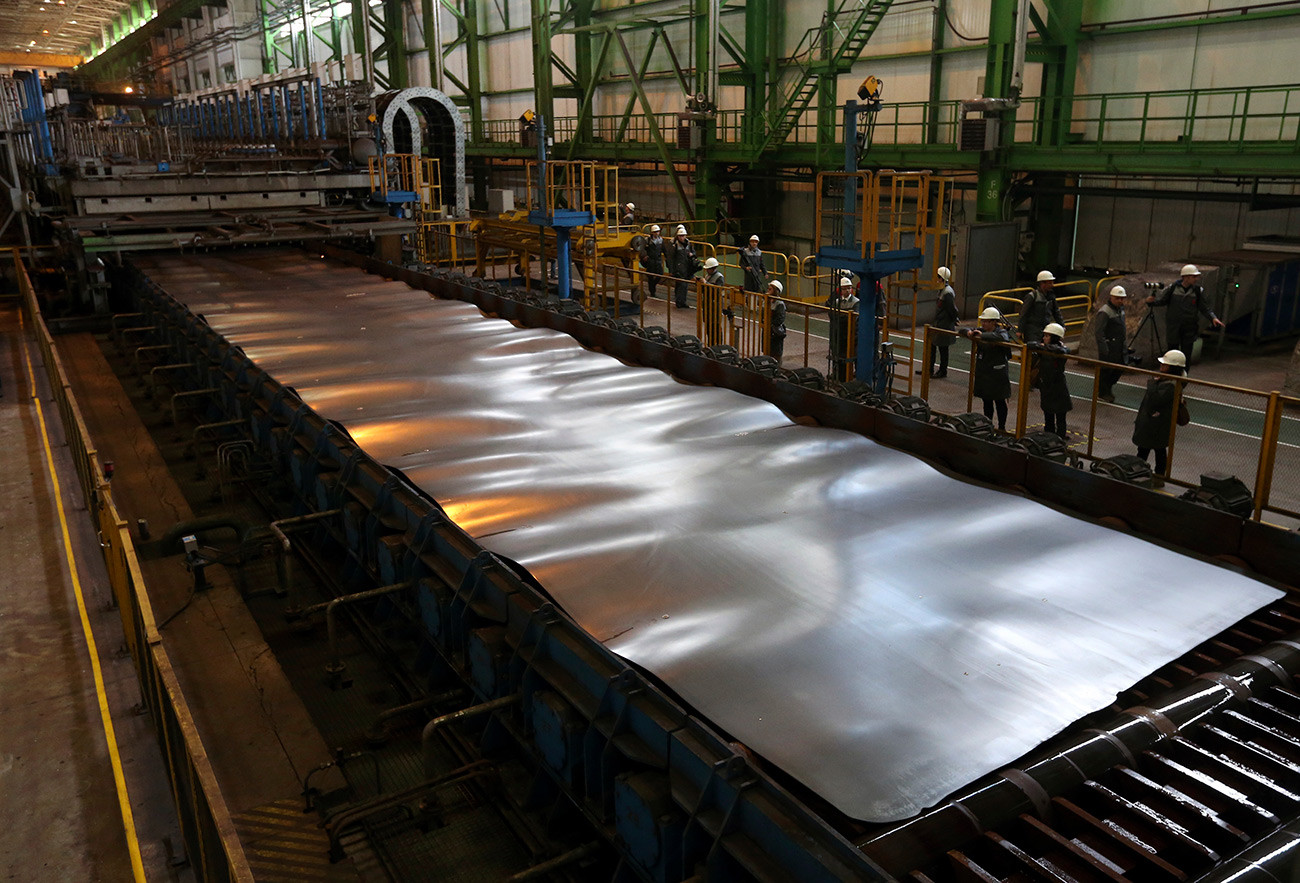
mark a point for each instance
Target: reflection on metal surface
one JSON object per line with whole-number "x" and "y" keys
{"x": 881, "y": 631}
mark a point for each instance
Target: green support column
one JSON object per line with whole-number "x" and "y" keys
{"x": 755, "y": 70}
{"x": 394, "y": 39}
{"x": 994, "y": 177}
{"x": 1060, "y": 56}
{"x": 827, "y": 98}
{"x": 360, "y": 33}
{"x": 940, "y": 32}
{"x": 474, "y": 80}
{"x": 543, "y": 85}
{"x": 583, "y": 64}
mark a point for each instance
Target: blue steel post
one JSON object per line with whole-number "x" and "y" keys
{"x": 261, "y": 116}
{"x": 320, "y": 110}
{"x": 302, "y": 110}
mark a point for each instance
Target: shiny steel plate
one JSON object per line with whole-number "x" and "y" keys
{"x": 881, "y": 631}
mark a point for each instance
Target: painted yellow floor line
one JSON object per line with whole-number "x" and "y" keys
{"x": 123, "y": 800}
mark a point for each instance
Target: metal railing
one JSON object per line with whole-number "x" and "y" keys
{"x": 213, "y": 848}
{"x": 1076, "y": 308}
{"x": 1233, "y": 430}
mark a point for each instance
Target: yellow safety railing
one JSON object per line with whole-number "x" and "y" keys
{"x": 1075, "y": 307}
{"x": 212, "y": 846}
{"x": 1247, "y": 433}
{"x": 394, "y": 173}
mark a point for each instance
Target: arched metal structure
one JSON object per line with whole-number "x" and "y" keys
{"x": 413, "y": 119}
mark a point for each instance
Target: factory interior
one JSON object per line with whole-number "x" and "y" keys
{"x": 655, "y": 441}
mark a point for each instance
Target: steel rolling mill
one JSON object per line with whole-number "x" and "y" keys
{"x": 670, "y": 618}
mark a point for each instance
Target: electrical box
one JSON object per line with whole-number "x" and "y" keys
{"x": 501, "y": 201}
{"x": 978, "y": 133}
{"x": 690, "y": 135}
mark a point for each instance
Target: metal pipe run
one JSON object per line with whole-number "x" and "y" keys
{"x": 1274, "y": 858}
{"x": 335, "y": 667}
{"x": 559, "y": 861}
{"x": 284, "y": 570}
{"x": 193, "y": 392}
{"x": 378, "y": 732}
{"x": 433, "y": 726}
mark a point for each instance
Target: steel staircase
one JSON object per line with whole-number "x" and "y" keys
{"x": 827, "y": 50}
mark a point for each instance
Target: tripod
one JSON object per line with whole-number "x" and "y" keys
{"x": 1150, "y": 319}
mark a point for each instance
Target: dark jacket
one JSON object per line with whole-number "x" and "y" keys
{"x": 681, "y": 258}
{"x": 751, "y": 261}
{"x": 715, "y": 277}
{"x": 776, "y": 325}
{"x": 1155, "y": 414}
{"x": 945, "y": 316}
{"x": 1184, "y": 305}
{"x": 1055, "y": 394}
{"x": 1111, "y": 331}
{"x": 992, "y": 378}
{"x": 652, "y": 254}
{"x": 1036, "y": 312}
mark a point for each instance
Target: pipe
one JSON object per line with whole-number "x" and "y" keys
{"x": 1018, "y": 52}
{"x": 1086, "y": 755}
{"x": 432, "y": 727}
{"x": 336, "y": 666}
{"x": 559, "y": 861}
{"x": 193, "y": 392}
{"x": 284, "y": 570}
{"x": 1274, "y": 858}
{"x": 378, "y": 731}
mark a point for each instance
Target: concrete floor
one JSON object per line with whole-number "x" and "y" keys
{"x": 60, "y": 808}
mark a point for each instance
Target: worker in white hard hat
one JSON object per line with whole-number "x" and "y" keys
{"x": 629, "y": 215}
{"x": 1111, "y": 329}
{"x": 1039, "y": 307}
{"x": 945, "y": 319}
{"x": 1054, "y": 393}
{"x": 992, "y": 382}
{"x": 713, "y": 304}
{"x": 842, "y": 308}
{"x": 1187, "y": 302}
{"x": 1159, "y": 409}
{"x": 682, "y": 265}
{"x": 776, "y": 330}
{"x": 751, "y": 262}
{"x": 652, "y": 258}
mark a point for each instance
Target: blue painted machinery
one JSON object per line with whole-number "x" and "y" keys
{"x": 666, "y": 791}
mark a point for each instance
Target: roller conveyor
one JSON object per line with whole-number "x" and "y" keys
{"x": 836, "y": 605}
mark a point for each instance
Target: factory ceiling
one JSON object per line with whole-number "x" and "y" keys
{"x": 53, "y": 27}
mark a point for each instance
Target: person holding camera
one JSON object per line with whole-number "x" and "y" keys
{"x": 682, "y": 265}
{"x": 776, "y": 329}
{"x": 1187, "y": 302}
{"x": 1152, "y": 424}
{"x": 1111, "y": 330}
{"x": 992, "y": 382}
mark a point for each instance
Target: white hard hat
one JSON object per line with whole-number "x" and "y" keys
{"x": 753, "y": 238}
{"x": 710, "y": 263}
{"x": 681, "y": 231}
{"x": 631, "y": 206}
{"x": 990, "y": 313}
{"x": 1190, "y": 270}
{"x": 654, "y": 228}
{"x": 776, "y": 283}
{"x": 1054, "y": 328}
{"x": 1118, "y": 291}
{"x": 846, "y": 282}
{"x": 944, "y": 273}
{"x": 1046, "y": 276}
{"x": 1175, "y": 358}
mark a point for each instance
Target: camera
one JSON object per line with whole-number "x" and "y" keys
{"x": 1154, "y": 286}
{"x": 1132, "y": 359}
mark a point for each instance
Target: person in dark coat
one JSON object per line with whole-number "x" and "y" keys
{"x": 1039, "y": 308}
{"x": 629, "y": 215}
{"x": 992, "y": 377}
{"x": 652, "y": 258}
{"x": 1053, "y": 391}
{"x": 1187, "y": 302}
{"x": 776, "y": 330}
{"x": 751, "y": 261}
{"x": 713, "y": 304}
{"x": 682, "y": 265}
{"x": 841, "y": 304}
{"x": 1155, "y": 415}
{"x": 945, "y": 318}
{"x": 1111, "y": 331}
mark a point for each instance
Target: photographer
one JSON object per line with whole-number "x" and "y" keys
{"x": 992, "y": 382}
{"x": 1187, "y": 301}
{"x": 1111, "y": 347}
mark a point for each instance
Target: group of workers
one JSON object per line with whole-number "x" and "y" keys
{"x": 1042, "y": 329}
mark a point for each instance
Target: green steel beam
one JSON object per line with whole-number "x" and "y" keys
{"x": 939, "y": 32}
{"x": 543, "y": 83}
{"x": 1226, "y": 16}
{"x": 995, "y": 176}
{"x": 665, "y": 153}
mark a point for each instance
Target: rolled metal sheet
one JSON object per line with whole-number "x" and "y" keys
{"x": 881, "y": 631}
